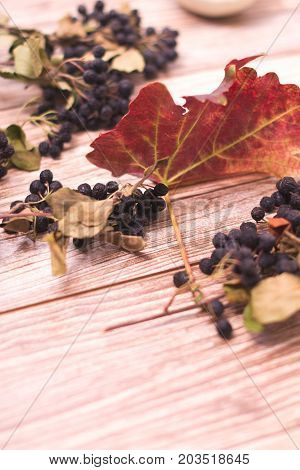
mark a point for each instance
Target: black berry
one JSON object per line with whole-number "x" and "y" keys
{"x": 224, "y": 328}
{"x": 180, "y": 278}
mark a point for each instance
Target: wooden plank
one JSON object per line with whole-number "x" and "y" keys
{"x": 191, "y": 390}
{"x": 169, "y": 383}
{"x": 200, "y": 218}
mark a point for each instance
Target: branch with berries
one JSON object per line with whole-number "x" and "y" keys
{"x": 85, "y": 73}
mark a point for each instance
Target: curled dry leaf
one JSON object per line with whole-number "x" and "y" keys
{"x": 26, "y": 156}
{"x": 256, "y": 128}
{"x": 79, "y": 216}
{"x": 28, "y": 57}
{"x": 250, "y": 323}
{"x": 61, "y": 201}
{"x": 19, "y": 225}
{"x": 86, "y": 219}
{"x": 276, "y": 298}
{"x": 58, "y": 247}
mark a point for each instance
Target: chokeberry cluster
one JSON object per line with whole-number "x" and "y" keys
{"x": 134, "y": 212}
{"x": 102, "y": 93}
{"x": 157, "y": 47}
{"x": 130, "y": 216}
{"x": 250, "y": 255}
{"x": 6, "y": 152}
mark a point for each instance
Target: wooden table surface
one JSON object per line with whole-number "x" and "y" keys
{"x": 170, "y": 383}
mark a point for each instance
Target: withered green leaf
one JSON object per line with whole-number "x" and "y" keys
{"x": 236, "y": 294}
{"x": 26, "y": 156}
{"x": 276, "y": 298}
{"x": 250, "y": 323}
{"x": 28, "y": 56}
{"x": 58, "y": 247}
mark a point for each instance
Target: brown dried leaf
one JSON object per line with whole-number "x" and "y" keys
{"x": 86, "y": 219}
{"x": 58, "y": 247}
{"x": 61, "y": 201}
{"x": 19, "y": 225}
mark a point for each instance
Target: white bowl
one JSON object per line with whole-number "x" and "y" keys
{"x": 216, "y": 8}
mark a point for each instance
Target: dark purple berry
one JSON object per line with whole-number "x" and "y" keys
{"x": 125, "y": 88}
{"x": 246, "y": 226}
{"x": 266, "y": 241}
{"x": 98, "y": 52}
{"x": 219, "y": 240}
{"x": 55, "y": 186}
{"x": 112, "y": 187}
{"x": 99, "y": 191}
{"x": 41, "y": 224}
{"x": 46, "y": 176}
{"x": 180, "y": 278}
{"x": 257, "y": 213}
{"x": 267, "y": 204}
{"x": 8, "y": 151}
{"x": 85, "y": 189}
{"x": 37, "y": 187}
{"x": 224, "y": 328}
{"x": 3, "y": 171}
{"x": 286, "y": 185}
{"x": 266, "y": 260}
{"x": 3, "y": 140}
{"x": 216, "y": 307}
{"x": 54, "y": 151}
{"x": 217, "y": 255}
{"x": 295, "y": 201}
{"x": 32, "y": 199}
{"x": 278, "y": 198}
{"x": 160, "y": 189}
{"x": 44, "y": 148}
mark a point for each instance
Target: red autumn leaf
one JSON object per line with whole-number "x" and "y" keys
{"x": 256, "y": 128}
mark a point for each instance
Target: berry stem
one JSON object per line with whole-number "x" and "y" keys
{"x": 180, "y": 242}
{"x": 192, "y": 285}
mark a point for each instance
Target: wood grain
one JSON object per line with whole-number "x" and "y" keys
{"x": 169, "y": 383}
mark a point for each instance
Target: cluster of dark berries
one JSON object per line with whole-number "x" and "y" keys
{"x": 134, "y": 212}
{"x": 158, "y": 47}
{"x": 129, "y": 217}
{"x": 6, "y": 152}
{"x": 285, "y": 203}
{"x": 97, "y": 96}
{"x": 159, "y": 50}
{"x": 123, "y": 28}
{"x": 39, "y": 189}
{"x": 250, "y": 255}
